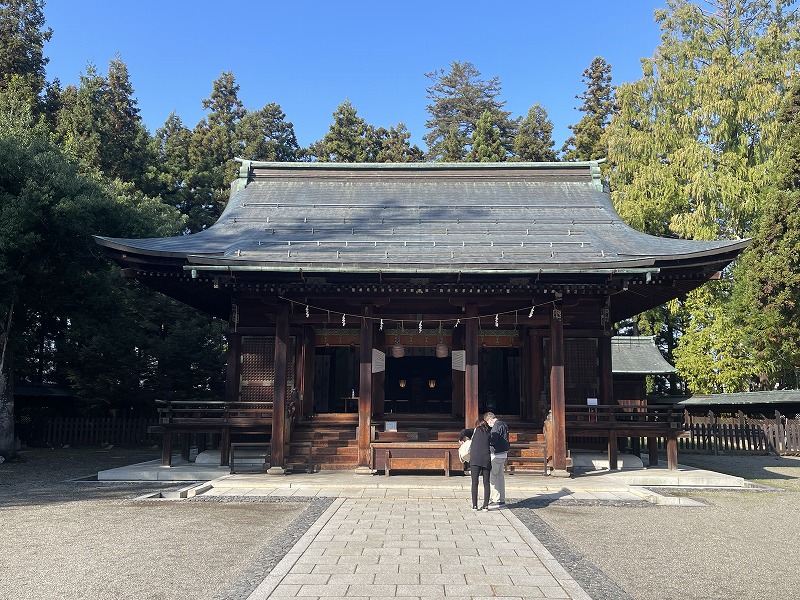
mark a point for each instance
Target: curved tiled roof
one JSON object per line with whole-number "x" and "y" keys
{"x": 423, "y": 218}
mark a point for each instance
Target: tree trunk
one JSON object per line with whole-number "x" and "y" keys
{"x": 7, "y": 446}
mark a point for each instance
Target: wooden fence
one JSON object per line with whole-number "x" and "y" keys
{"x": 712, "y": 433}
{"x": 86, "y": 431}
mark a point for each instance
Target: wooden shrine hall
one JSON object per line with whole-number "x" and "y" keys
{"x": 369, "y": 296}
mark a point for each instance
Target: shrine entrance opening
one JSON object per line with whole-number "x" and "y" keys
{"x": 420, "y": 383}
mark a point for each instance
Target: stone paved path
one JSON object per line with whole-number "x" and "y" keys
{"x": 417, "y": 548}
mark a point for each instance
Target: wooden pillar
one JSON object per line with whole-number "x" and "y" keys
{"x": 277, "y": 453}
{"x": 379, "y": 379}
{"x": 306, "y": 387}
{"x": 606, "y": 371}
{"x": 471, "y": 373}
{"x": 525, "y": 397}
{"x": 672, "y": 451}
{"x": 365, "y": 392}
{"x": 536, "y": 366}
{"x": 652, "y": 451}
{"x": 612, "y": 451}
{"x": 557, "y": 394}
{"x": 233, "y": 366}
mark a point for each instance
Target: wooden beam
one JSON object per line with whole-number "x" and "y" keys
{"x": 457, "y": 394}
{"x": 536, "y": 367}
{"x": 557, "y": 394}
{"x": 365, "y": 391}
{"x": 277, "y": 454}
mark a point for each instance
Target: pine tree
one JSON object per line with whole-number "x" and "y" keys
{"x": 458, "y": 98}
{"x": 534, "y": 140}
{"x": 586, "y": 142}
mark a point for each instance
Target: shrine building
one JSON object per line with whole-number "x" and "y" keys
{"x": 423, "y": 294}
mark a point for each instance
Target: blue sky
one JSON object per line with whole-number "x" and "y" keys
{"x": 310, "y": 56}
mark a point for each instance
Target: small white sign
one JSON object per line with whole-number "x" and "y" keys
{"x": 591, "y": 401}
{"x": 378, "y": 361}
{"x": 459, "y": 359}
{"x": 390, "y": 426}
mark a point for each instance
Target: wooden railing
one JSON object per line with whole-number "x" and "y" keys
{"x": 713, "y": 433}
{"x": 209, "y": 412}
{"x": 641, "y": 418}
{"x": 91, "y": 431}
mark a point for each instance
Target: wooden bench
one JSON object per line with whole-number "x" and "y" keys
{"x": 416, "y": 456}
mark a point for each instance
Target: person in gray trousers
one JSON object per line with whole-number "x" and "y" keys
{"x": 498, "y": 440}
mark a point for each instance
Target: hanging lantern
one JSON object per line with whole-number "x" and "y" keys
{"x": 431, "y": 383}
{"x": 397, "y": 350}
{"x": 441, "y": 348}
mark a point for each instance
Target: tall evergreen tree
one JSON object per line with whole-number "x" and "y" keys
{"x": 22, "y": 39}
{"x": 586, "y": 143}
{"x": 212, "y": 149}
{"x": 396, "y": 146}
{"x": 534, "y": 139}
{"x": 458, "y": 98}
{"x": 266, "y": 135}
{"x": 487, "y": 145}
{"x": 689, "y": 150}
{"x": 349, "y": 139}
{"x": 768, "y": 278}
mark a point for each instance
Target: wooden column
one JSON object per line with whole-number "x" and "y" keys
{"x": 612, "y": 451}
{"x": 652, "y": 451}
{"x": 379, "y": 379}
{"x": 306, "y": 387}
{"x": 365, "y": 392}
{"x": 232, "y": 369}
{"x": 557, "y": 394}
{"x": 525, "y": 396}
{"x": 277, "y": 458}
{"x": 672, "y": 451}
{"x": 471, "y": 374}
{"x": 536, "y": 366}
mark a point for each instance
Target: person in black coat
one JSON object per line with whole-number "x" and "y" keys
{"x": 480, "y": 461}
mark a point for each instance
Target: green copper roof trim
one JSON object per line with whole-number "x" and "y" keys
{"x": 439, "y": 270}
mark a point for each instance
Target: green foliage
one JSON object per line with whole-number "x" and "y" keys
{"x": 458, "y": 98}
{"x": 689, "y": 144}
{"x": 487, "y": 145}
{"x": 349, "y": 139}
{"x": 99, "y": 125}
{"x": 768, "y": 278}
{"x": 22, "y": 39}
{"x": 266, "y": 135}
{"x": 396, "y": 146}
{"x": 534, "y": 140}
{"x": 586, "y": 142}
{"x": 689, "y": 152}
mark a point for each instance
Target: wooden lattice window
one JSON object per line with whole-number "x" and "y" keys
{"x": 257, "y": 368}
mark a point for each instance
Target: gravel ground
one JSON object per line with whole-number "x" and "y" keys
{"x": 79, "y": 539}
{"x": 741, "y": 544}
